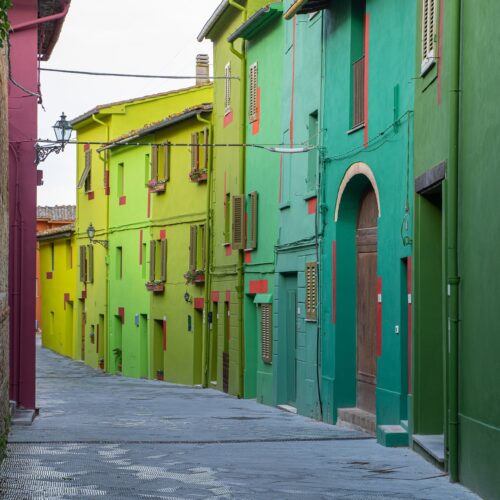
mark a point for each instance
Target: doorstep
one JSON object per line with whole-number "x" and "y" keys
{"x": 431, "y": 447}
{"x": 357, "y": 419}
{"x": 288, "y": 408}
{"x": 392, "y": 436}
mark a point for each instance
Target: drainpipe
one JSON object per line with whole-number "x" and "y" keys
{"x": 208, "y": 283}
{"x": 41, "y": 20}
{"x": 106, "y": 306}
{"x": 241, "y": 188}
{"x": 232, "y": 3}
{"x": 452, "y": 234}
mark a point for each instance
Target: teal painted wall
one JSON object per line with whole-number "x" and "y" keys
{"x": 385, "y": 146}
{"x": 301, "y": 97}
{"x": 262, "y": 175}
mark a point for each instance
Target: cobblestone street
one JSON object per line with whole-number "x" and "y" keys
{"x": 107, "y": 436}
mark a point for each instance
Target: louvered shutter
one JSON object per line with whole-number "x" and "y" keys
{"x": 194, "y": 152}
{"x": 358, "y": 92}
{"x": 83, "y": 263}
{"x": 311, "y": 290}
{"x": 253, "y": 76}
{"x": 166, "y": 161}
{"x": 227, "y": 97}
{"x": 254, "y": 199}
{"x": 152, "y": 256}
{"x": 163, "y": 276}
{"x": 90, "y": 276}
{"x": 193, "y": 249}
{"x": 154, "y": 163}
{"x": 238, "y": 222}
{"x": 206, "y": 138}
{"x": 428, "y": 30}
{"x": 266, "y": 328}
{"x": 203, "y": 247}
{"x": 87, "y": 173}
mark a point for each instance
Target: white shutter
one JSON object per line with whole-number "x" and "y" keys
{"x": 227, "y": 99}
{"x": 428, "y": 33}
{"x": 252, "y": 108}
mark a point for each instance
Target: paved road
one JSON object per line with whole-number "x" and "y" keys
{"x": 107, "y": 436}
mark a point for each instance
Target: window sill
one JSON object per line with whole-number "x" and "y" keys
{"x": 284, "y": 206}
{"x": 427, "y": 66}
{"x": 310, "y": 195}
{"x": 355, "y": 129}
{"x": 311, "y": 320}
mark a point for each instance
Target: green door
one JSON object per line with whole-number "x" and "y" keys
{"x": 143, "y": 332}
{"x": 291, "y": 338}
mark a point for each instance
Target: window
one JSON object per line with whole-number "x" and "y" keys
{"x": 193, "y": 248}
{"x": 253, "y": 201}
{"x": 238, "y": 229}
{"x": 52, "y": 257}
{"x": 158, "y": 260}
{"x": 266, "y": 331}
{"x": 147, "y": 169}
{"x": 83, "y": 263}
{"x": 163, "y": 260}
{"x": 312, "y": 156}
{"x": 202, "y": 246}
{"x": 253, "y": 85}
{"x": 227, "y": 219}
{"x": 90, "y": 276}
{"x": 195, "y": 152}
{"x": 358, "y": 15}
{"x": 428, "y": 33}
{"x": 88, "y": 170}
{"x": 164, "y": 170}
{"x": 119, "y": 263}
{"x": 144, "y": 261}
{"x": 69, "y": 255}
{"x": 154, "y": 163}
{"x": 227, "y": 98}
{"x": 152, "y": 260}
{"x": 121, "y": 179}
{"x": 311, "y": 290}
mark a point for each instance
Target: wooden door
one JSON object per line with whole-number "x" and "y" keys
{"x": 366, "y": 310}
{"x": 225, "y": 353}
{"x": 291, "y": 339}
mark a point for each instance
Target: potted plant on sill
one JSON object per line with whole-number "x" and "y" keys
{"x": 157, "y": 185}
{"x": 156, "y": 286}
{"x": 118, "y": 358}
{"x": 101, "y": 363}
{"x": 198, "y": 175}
{"x": 160, "y": 375}
{"x": 195, "y": 277}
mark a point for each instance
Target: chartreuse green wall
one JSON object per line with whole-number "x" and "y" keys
{"x": 384, "y": 147}
{"x": 57, "y": 286}
{"x": 301, "y": 119}
{"x": 262, "y": 173}
{"x": 226, "y": 277}
{"x": 106, "y": 123}
{"x": 479, "y": 344}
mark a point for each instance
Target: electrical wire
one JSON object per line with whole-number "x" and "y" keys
{"x": 16, "y": 84}
{"x": 134, "y": 75}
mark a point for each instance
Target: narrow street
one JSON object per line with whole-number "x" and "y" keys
{"x": 107, "y": 436}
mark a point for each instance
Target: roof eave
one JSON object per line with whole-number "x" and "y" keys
{"x": 257, "y": 22}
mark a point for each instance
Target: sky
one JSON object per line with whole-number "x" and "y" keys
{"x": 117, "y": 36}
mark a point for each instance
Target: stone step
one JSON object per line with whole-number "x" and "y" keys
{"x": 355, "y": 418}
{"x": 392, "y": 435}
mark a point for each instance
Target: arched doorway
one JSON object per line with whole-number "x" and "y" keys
{"x": 366, "y": 301}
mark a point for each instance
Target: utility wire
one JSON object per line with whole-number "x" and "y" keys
{"x": 130, "y": 75}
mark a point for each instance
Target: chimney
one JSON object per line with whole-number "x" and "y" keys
{"x": 202, "y": 71}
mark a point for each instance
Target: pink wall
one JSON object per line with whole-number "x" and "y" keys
{"x": 22, "y": 205}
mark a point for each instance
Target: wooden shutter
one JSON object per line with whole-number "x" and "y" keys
{"x": 358, "y": 113}
{"x": 90, "y": 276}
{"x": 194, "y": 152}
{"x": 166, "y": 161}
{"x": 266, "y": 329}
{"x": 252, "y": 108}
{"x": 203, "y": 247}
{"x": 238, "y": 222}
{"x": 163, "y": 276}
{"x": 227, "y": 97}
{"x": 83, "y": 263}
{"x": 152, "y": 258}
{"x": 254, "y": 199}
{"x": 206, "y": 138}
{"x": 88, "y": 171}
{"x": 428, "y": 29}
{"x": 154, "y": 163}
{"x": 193, "y": 249}
{"x": 311, "y": 290}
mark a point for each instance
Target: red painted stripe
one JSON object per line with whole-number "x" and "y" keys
{"x": 334, "y": 282}
{"x": 163, "y": 234}
{"x": 199, "y": 303}
{"x": 248, "y": 256}
{"x": 141, "y": 239}
{"x": 228, "y": 296}
{"x": 256, "y": 123}
{"x": 164, "y": 335}
{"x": 229, "y": 250}
{"x": 379, "y": 317}
{"x": 123, "y": 200}
{"x": 292, "y": 106}
{"x": 409, "y": 288}
{"x": 121, "y": 314}
{"x": 90, "y": 195}
{"x": 215, "y": 296}
{"x": 311, "y": 205}
{"x": 258, "y": 286}
{"x": 86, "y": 147}
{"x": 49, "y": 275}
{"x": 228, "y": 119}
{"x": 367, "y": 65}
{"x": 440, "y": 47}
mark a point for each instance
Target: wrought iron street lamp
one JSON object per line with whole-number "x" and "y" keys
{"x": 91, "y": 235}
{"x": 62, "y": 130}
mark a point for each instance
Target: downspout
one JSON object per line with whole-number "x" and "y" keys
{"x": 106, "y": 308}
{"x": 208, "y": 284}
{"x": 452, "y": 234}
{"x": 241, "y": 188}
{"x": 41, "y": 20}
